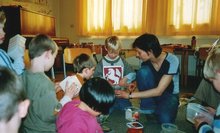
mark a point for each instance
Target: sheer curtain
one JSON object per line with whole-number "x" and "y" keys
{"x": 161, "y": 17}
{"x": 106, "y": 17}
{"x": 187, "y": 17}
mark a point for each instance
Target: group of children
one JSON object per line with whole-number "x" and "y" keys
{"x": 30, "y": 95}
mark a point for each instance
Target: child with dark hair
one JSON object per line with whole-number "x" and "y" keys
{"x": 96, "y": 97}
{"x": 84, "y": 66}
{"x": 13, "y": 102}
{"x": 18, "y": 64}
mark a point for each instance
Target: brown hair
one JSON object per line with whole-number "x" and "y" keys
{"x": 83, "y": 61}
{"x": 40, "y": 44}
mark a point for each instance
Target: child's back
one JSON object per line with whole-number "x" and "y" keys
{"x": 40, "y": 89}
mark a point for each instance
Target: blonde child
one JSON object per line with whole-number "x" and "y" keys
{"x": 211, "y": 72}
{"x": 18, "y": 64}
{"x": 40, "y": 89}
{"x": 113, "y": 47}
{"x": 14, "y": 105}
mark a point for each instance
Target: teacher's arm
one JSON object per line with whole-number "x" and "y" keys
{"x": 154, "y": 92}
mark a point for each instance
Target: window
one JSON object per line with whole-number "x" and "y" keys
{"x": 191, "y": 12}
{"x": 194, "y": 17}
{"x": 161, "y": 17}
{"x": 104, "y": 17}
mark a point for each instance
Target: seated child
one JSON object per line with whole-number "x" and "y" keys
{"x": 84, "y": 67}
{"x": 40, "y": 89}
{"x": 116, "y": 70}
{"x": 211, "y": 72}
{"x": 96, "y": 97}
{"x": 13, "y": 102}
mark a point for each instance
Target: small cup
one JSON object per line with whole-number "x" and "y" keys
{"x": 135, "y": 127}
{"x": 169, "y": 128}
{"x": 132, "y": 114}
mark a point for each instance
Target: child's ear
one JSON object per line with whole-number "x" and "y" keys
{"x": 48, "y": 53}
{"x": 23, "y": 108}
{"x": 85, "y": 70}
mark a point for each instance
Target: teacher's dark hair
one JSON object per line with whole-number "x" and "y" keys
{"x": 148, "y": 42}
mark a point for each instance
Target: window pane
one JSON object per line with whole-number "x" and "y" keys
{"x": 126, "y": 14}
{"x": 191, "y": 12}
{"x": 96, "y": 14}
{"x": 187, "y": 11}
{"x": 204, "y": 11}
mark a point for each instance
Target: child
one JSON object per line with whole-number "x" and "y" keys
{"x": 13, "y": 102}
{"x": 18, "y": 64}
{"x": 113, "y": 47}
{"x": 40, "y": 89}
{"x": 84, "y": 67}
{"x": 79, "y": 116}
{"x": 211, "y": 72}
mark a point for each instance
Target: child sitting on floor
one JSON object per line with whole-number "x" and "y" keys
{"x": 211, "y": 72}
{"x": 84, "y": 66}
{"x": 96, "y": 97}
{"x": 116, "y": 70}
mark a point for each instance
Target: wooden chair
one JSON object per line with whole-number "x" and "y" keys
{"x": 71, "y": 53}
{"x": 27, "y": 62}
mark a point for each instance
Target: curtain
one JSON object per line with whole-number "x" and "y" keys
{"x": 160, "y": 17}
{"x": 188, "y": 17}
{"x": 108, "y": 17}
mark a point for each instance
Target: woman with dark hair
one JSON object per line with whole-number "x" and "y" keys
{"x": 96, "y": 97}
{"x": 157, "y": 80}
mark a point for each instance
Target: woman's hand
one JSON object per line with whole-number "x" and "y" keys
{"x": 131, "y": 87}
{"x": 121, "y": 94}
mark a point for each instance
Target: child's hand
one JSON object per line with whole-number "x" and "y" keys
{"x": 57, "y": 87}
{"x": 71, "y": 90}
{"x": 211, "y": 110}
{"x": 123, "y": 82}
{"x": 199, "y": 119}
